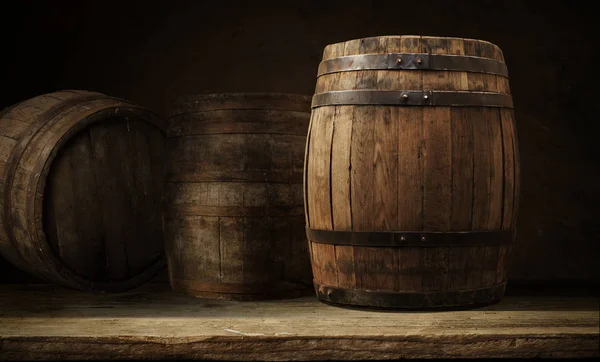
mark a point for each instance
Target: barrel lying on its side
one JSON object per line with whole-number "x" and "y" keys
{"x": 412, "y": 173}
{"x": 234, "y": 219}
{"x": 80, "y": 190}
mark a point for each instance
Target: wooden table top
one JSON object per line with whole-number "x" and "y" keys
{"x": 44, "y": 322}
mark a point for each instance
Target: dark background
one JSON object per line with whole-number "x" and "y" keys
{"x": 152, "y": 52}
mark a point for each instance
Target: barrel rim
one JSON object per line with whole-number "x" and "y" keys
{"x": 410, "y": 35}
{"x": 206, "y": 102}
{"x": 35, "y": 200}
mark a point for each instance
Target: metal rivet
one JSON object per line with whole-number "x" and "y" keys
{"x": 419, "y": 61}
{"x": 403, "y": 238}
{"x": 405, "y": 96}
{"x": 399, "y": 60}
{"x": 425, "y": 96}
{"x": 423, "y": 238}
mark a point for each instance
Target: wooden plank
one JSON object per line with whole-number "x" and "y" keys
{"x": 462, "y": 169}
{"x": 199, "y": 248}
{"x": 474, "y": 80}
{"x": 458, "y": 80}
{"x": 375, "y": 268}
{"x": 344, "y": 256}
{"x": 127, "y": 179}
{"x": 63, "y": 234}
{"x": 410, "y": 167}
{"x": 410, "y": 271}
{"x": 481, "y": 168}
{"x": 458, "y": 260}
{"x": 496, "y": 169}
{"x": 173, "y": 243}
{"x": 435, "y": 277}
{"x": 314, "y": 262}
{"x": 367, "y": 265}
{"x": 437, "y": 136}
{"x": 105, "y": 149}
{"x": 231, "y": 253}
{"x": 385, "y": 161}
{"x": 509, "y": 168}
{"x": 154, "y": 142}
{"x": 325, "y": 259}
{"x": 509, "y": 117}
{"x": 91, "y": 262}
{"x": 437, "y": 169}
{"x": 475, "y": 266}
{"x": 341, "y": 169}
{"x": 503, "y": 84}
{"x": 330, "y": 82}
{"x": 410, "y": 148}
{"x": 48, "y": 323}
{"x": 257, "y": 242}
{"x": 363, "y": 180}
{"x": 306, "y": 159}
{"x": 385, "y": 164}
{"x": 279, "y": 252}
{"x": 297, "y": 266}
{"x": 437, "y": 165}
{"x": 437, "y": 80}
{"x": 319, "y": 203}
{"x": 490, "y": 265}
{"x": 502, "y": 263}
{"x": 437, "y": 196}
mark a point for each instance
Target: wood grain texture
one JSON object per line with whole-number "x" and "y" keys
{"x": 81, "y": 190}
{"x": 413, "y": 168}
{"x": 46, "y": 323}
{"x": 233, "y": 200}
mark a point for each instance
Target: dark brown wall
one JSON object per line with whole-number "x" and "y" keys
{"x": 152, "y": 53}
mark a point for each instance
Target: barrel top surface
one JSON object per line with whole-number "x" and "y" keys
{"x": 241, "y": 101}
{"x": 328, "y": 54}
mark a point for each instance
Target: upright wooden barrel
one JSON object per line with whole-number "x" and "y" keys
{"x": 234, "y": 219}
{"x": 80, "y": 190}
{"x": 412, "y": 173}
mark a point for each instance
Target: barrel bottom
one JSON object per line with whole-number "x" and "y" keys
{"x": 242, "y": 292}
{"x": 442, "y": 300}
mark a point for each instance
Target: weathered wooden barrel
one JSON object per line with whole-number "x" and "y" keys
{"x": 234, "y": 216}
{"x": 412, "y": 173}
{"x": 80, "y": 190}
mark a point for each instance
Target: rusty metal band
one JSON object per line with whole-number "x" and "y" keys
{"x": 413, "y": 61}
{"x": 412, "y": 98}
{"x": 414, "y": 238}
{"x": 410, "y": 300}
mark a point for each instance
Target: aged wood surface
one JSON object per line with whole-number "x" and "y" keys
{"x": 233, "y": 199}
{"x": 403, "y": 168}
{"x": 42, "y": 322}
{"x": 81, "y": 177}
